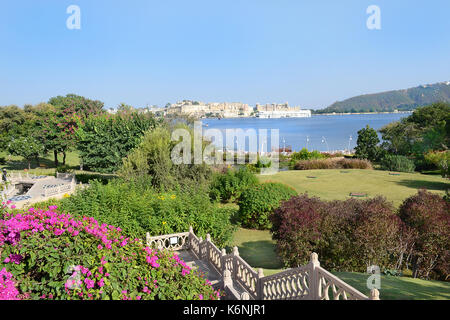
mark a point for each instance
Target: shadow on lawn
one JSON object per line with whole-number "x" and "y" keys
{"x": 422, "y": 184}
{"x": 399, "y": 288}
{"x": 260, "y": 254}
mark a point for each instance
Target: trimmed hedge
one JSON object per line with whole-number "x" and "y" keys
{"x": 257, "y": 203}
{"x": 333, "y": 164}
{"x": 348, "y": 235}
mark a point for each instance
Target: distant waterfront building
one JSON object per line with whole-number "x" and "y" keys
{"x": 280, "y": 111}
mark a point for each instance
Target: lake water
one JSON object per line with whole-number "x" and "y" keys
{"x": 320, "y": 132}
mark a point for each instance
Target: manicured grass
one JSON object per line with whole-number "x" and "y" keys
{"x": 258, "y": 249}
{"x": 334, "y": 184}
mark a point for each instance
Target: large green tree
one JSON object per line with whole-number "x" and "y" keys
{"x": 426, "y": 129}
{"x": 103, "y": 140}
{"x": 367, "y": 144}
{"x": 61, "y": 123}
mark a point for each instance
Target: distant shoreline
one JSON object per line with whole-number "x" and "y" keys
{"x": 313, "y": 114}
{"x": 345, "y": 113}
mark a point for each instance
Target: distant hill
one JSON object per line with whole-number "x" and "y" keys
{"x": 401, "y": 100}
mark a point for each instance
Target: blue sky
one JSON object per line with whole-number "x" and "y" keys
{"x": 309, "y": 53}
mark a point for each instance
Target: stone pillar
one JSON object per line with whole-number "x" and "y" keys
{"x": 222, "y": 260}
{"x": 374, "y": 294}
{"x": 235, "y": 257}
{"x": 207, "y": 244}
{"x": 200, "y": 248}
{"x": 314, "y": 286}
{"x": 259, "y": 285}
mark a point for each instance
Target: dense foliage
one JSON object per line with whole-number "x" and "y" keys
{"x": 426, "y": 129}
{"x": 48, "y": 255}
{"x": 138, "y": 209}
{"x": 428, "y": 217}
{"x": 258, "y": 202}
{"x": 367, "y": 144}
{"x": 348, "y": 235}
{"x": 441, "y": 160}
{"x": 333, "y": 164}
{"x": 228, "y": 186}
{"x": 103, "y": 141}
{"x": 152, "y": 160}
{"x": 397, "y": 163}
{"x": 352, "y": 235}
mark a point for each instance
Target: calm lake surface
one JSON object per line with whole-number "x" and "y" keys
{"x": 320, "y": 132}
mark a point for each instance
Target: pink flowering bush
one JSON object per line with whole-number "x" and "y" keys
{"x": 45, "y": 254}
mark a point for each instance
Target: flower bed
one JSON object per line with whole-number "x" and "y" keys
{"x": 45, "y": 254}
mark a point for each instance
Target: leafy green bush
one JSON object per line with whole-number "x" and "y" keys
{"x": 397, "y": 163}
{"x": 49, "y": 255}
{"x": 138, "y": 209}
{"x": 258, "y": 202}
{"x": 229, "y": 186}
{"x": 152, "y": 159}
{"x": 441, "y": 160}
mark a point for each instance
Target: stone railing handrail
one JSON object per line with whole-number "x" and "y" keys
{"x": 309, "y": 282}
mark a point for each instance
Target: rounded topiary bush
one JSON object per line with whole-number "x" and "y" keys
{"x": 48, "y": 255}
{"x": 258, "y": 202}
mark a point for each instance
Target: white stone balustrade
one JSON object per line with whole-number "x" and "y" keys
{"x": 310, "y": 282}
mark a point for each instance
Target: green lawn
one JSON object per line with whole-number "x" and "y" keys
{"x": 258, "y": 249}
{"x": 16, "y": 163}
{"x": 336, "y": 184}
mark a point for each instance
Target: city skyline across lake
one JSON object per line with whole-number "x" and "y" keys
{"x": 320, "y": 132}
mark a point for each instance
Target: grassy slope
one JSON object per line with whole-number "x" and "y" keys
{"x": 338, "y": 184}
{"x": 258, "y": 249}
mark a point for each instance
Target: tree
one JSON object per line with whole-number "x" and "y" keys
{"x": 367, "y": 144}
{"x": 60, "y": 125}
{"x": 27, "y": 147}
{"x": 103, "y": 140}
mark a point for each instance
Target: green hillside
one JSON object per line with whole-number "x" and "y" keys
{"x": 402, "y": 100}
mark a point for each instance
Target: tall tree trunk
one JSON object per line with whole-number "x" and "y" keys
{"x": 55, "y": 153}
{"x": 64, "y": 158}
{"x": 29, "y": 164}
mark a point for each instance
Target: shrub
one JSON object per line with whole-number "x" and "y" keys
{"x": 258, "y": 202}
{"x": 333, "y": 164}
{"x": 138, "y": 209}
{"x": 348, "y": 235}
{"x": 229, "y": 186}
{"x": 441, "y": 160}
{"x": 428, "y": 216}
{"x": 397, "y": 163}
{"x": 153, "y": 159}
{"x": 48, "y": 255}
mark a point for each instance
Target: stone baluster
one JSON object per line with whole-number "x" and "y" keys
{"x": 314, "y": 288}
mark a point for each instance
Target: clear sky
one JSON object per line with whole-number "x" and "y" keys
{"x": 309, "y": 53}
